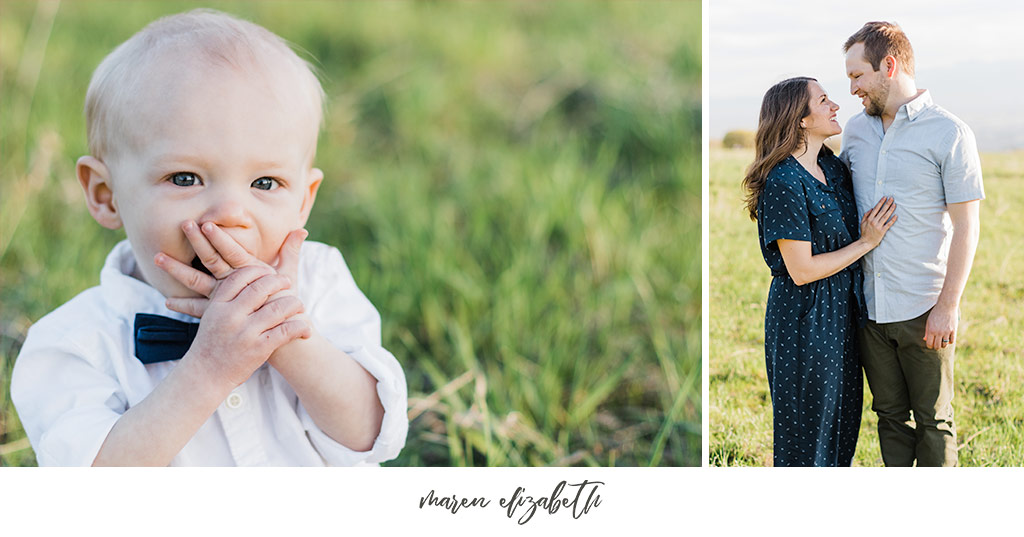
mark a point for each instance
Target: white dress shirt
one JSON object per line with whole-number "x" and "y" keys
{"x": 926, "y": 159}
{"x": 77, "y": 374}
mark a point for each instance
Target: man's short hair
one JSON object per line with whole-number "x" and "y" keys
{"x": 883, "y": 39}
{"x": 204, "y": 36}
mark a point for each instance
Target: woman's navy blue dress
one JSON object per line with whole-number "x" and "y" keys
{"x": 810, "y": 343}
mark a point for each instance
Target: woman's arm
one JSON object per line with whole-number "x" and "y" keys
{"x": 804, "y": 267}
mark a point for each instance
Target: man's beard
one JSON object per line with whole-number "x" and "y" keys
{"x": 876, "y": 100}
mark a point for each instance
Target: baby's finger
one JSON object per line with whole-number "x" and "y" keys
{"x": 286, "y": 332}
{"x": 195, "y": 307}
{"x": 256, "y": 294}
{"x": 237, "y": 281}
{"x": 208, "y": 255}
{"x": 188, "y": 276}
{"x": 228, "y": 247}
{"x": 288, "y": 257}
{"x": 276, "y": 311}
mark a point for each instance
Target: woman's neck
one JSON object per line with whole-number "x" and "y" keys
{"x": 808, "y": 154}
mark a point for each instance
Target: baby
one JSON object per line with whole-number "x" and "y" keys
{"x": 202, "y": 132}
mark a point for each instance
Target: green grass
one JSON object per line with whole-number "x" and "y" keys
{"x": 515, "y": 186}
{"x": 989, "y": 398}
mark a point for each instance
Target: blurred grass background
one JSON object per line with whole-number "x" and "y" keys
{"x": 515, "y": 186}
{"x": 988, "y": 399}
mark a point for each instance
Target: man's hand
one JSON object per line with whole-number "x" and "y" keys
{"x": 941, "y": 328}
{"x": 944, "y": 318}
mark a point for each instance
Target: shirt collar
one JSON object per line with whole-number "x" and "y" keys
{"x": 127, "y": 295}
{"x": 917, "y": 105}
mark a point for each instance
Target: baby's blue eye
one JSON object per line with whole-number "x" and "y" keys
{"x": 266, "y": 183}
{"x": 186, "y": 179}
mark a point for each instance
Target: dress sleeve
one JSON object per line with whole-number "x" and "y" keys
{"x": 349, "y": 321}
{"x": 784, "y": 210}
{"x": 65, "y": 403}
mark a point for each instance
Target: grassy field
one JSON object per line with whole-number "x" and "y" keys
{"x": 989, "y": 398}
{"x": 515, "y": 186}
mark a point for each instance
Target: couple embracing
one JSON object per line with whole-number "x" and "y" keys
{"x": 869, "y": 252}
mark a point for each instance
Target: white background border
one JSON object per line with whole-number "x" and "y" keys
{"x": 361, "y": 501}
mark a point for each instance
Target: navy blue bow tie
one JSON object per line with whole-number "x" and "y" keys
{"x": 160, "y": 339}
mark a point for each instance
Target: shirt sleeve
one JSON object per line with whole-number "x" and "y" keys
{"x": 961, "y": 168}
{"x": 785, "y": 211}
{"x": 844, "y": 156}
{"x": 66, "y": 405}
{"x": 349, "y": 321}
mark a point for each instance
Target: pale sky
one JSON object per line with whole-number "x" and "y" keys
{"x": 968, "y": 54}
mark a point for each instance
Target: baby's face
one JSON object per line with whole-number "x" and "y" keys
{"x": 223, "y": 148}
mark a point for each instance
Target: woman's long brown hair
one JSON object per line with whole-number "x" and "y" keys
{"x": 778, "y": 133}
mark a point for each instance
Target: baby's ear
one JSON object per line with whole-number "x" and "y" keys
{"x": 309, "y": 196}
{"x": 94, "y": 176}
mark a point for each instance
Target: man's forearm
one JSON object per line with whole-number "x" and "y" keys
{"x": 338, "y": 393}
{"x": 963, "y": 245}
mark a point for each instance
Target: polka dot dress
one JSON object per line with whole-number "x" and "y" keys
{"x": 810, "y": 339}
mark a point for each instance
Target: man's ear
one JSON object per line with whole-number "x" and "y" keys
{"x": 890, "y": 66}
{"x": 309, "y": 196}
{"x": 94, "y": 176}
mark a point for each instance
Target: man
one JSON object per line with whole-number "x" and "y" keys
{"x": 903, "y": 145}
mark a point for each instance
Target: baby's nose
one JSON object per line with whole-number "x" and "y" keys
{"x": 226, "y": 213}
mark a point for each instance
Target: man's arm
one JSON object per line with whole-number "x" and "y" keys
{"x": 943, "y": 320}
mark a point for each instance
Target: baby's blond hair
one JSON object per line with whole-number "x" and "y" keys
{"x": 206, "y": 36}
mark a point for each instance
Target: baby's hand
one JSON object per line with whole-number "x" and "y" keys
{"x": 222, "y": 256}
{"x": 243, "y": 325}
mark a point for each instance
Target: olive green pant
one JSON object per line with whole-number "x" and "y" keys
{"x": 912, "y": 393}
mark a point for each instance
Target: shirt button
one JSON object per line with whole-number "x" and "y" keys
{"x": 878, "y": 274}
{"x": 234, "y": 401}
{"x": 883, "y": 151}
{"x": 879, "y": 182}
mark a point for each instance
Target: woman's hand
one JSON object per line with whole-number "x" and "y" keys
{"x": 877, "y": 221}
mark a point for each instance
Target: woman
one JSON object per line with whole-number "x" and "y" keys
{"x": 801, "y": 196}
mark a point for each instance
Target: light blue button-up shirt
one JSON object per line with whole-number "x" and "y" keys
{"x": 925, "y": 160}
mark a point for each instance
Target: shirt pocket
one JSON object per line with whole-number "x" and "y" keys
{"x": 827, "y": 224}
